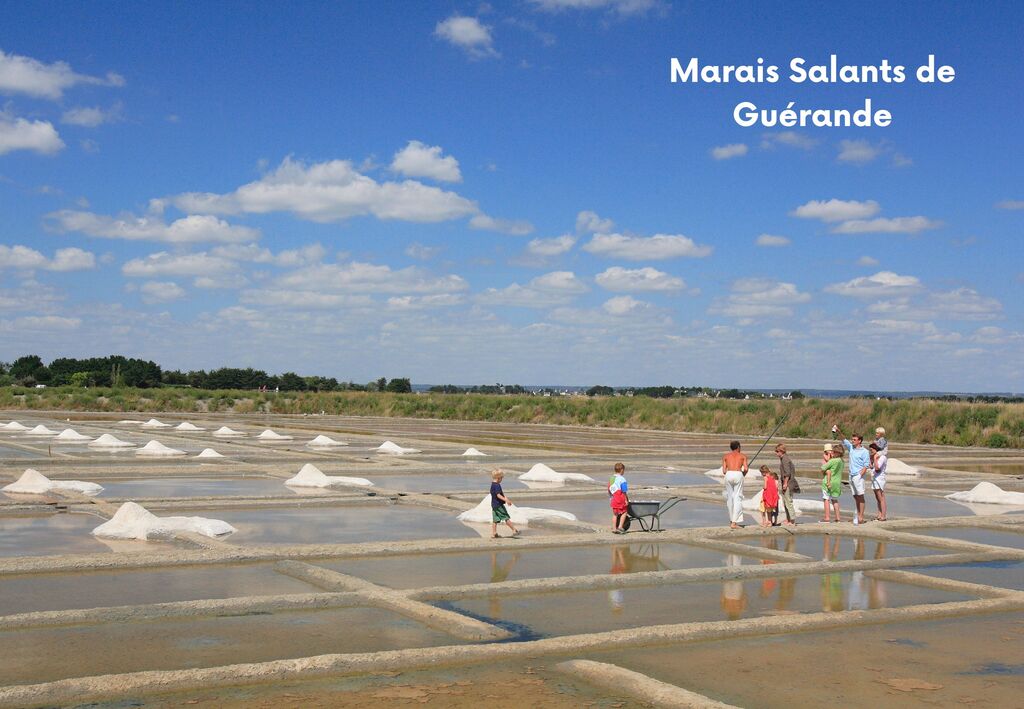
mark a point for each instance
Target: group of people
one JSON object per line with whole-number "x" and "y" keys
{"x": 867, "y": 465}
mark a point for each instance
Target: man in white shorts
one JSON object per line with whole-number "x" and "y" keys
{"x": 879, "y": 459}
{"x": 860, "y": 465}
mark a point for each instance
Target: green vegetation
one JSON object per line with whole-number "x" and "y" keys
{"x": 998, "y": 425}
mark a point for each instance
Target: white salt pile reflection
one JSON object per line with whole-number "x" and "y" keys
{"x": 988, "y": 494}
{"x": 32, "y": 482}
{"x": 325, "y": 441}
{"x": 156, "y": 448}
{"x": 153, "y": 423}
{"x": 473, "y": 452}
{"x": 40, "y": 430}
{"x": 70, "y": 435}
{"x": 133, "y": 521}
{"x": 109, "y": 441}
{"x": 481, "y": 514}
{"x": 312, "y": 476}
{"x": 225, "y": 432}
{"x": 14, "y": 426}
{"x": 269, "y": 435}
{"x": 541, "y": 473}
{"x": 209, "y": 453}
{"x": 395, "y": 449}
{"x": 188, "y": 426}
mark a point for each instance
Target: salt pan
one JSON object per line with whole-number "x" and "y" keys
{"x": 225, "y": 432}
{"x": 153, "y": 423}
{"x": 312, "y": 476}
{"x": 40, "y": 430}
{"x": 109, "y": 441}
{"x": 34, "y": 483}
{"x": 719, "y": 475}
{"x": 156, "y": 448}
{"x": 188, "y": 426}
{"x": 473, "y": 452}
{"x": 395, "y": 449}
{"x": 209, "y": 453}
{"x": 133, "y": 521}
{"x": 325, "y": 441}
{"x": 543, "y": 474}
{"x": 269, "y": 435}
{"x": 70, "y": 435}
{"x": 481, "y": 514}
{"x": 802, "y": 506}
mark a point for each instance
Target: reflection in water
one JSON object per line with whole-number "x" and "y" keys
{"x": 628, "y": 559}
{"x": 499, "y": 572}
{"x": 734, "y": 593}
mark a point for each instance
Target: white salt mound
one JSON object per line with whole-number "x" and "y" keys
{"x": 312, "y": 476}
{"x": 33, "y": 482}
{"x": 473, "y": 452}
{"x": 988, "y": 494}
{"x": 41, "y": 430}
{"x": 153, "y": 423}
{"x": 129, "y": 422}
{"x": 209, "y": 453}
{"x": 70, "y": 435}
{"x": 898, "y": 467}
{"x": 802, "y": 506}
{"x": 109, "y": 441}
{"x": 188, "y": 426}
{"x": 481, "y": 514}
{"x": 15, "y": 426}
{"x": 133, "y": 521}
{"x": 395, "y": 449}
{"x": 269, "y": 435}
{"x": 541, "y": 473}
{"x": 719, "y": 475}
{"x": 156, "y": 448}
{"x": 325, "y": 441}
{"x": 225, "y": 432}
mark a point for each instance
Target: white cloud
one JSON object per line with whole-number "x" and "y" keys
{"x": 858, "y": 152}
{"x": 561, "y": 281}
{"x": 420, "y": 160}
{"x": 25, "y": 258}
{"x": 24, "y": 75}
{"x": 771, "y": 240}
{"x": 836, "y": 210}
{"x": 556, "y": 288}
{"x": 620, "y": 7}
{"x": 357, "y": 277}
{"x": 788, "y": 139}
{"x": 653, "y": 248}
{"x": 1010, "y": 204}
{"x": 867, "y": 261}
{"x": 160, "y": 292}
{"x": 516, "y": 227}
{"x": 290, "y": 258}
{"x": 423, "y": 253}
{"x": 959, "y": 304}
{"x": 424, "y": 302}
{"x": 588, "y": 222}
{"x": 733, "y": 150}
{"x": 621, "y": 279}
{"x": 886, "y": 225}
{"x": 45, "y": 322}
{"x": 555, "y": 246}
{"x": 901, "y": 160}
{"x": 469, "y": 34}
{"x": 163, "y": 263}
{"x": 760, "y": 298}
{"x": 92, "y": 116}
{"x": 303, "y": 300}
{"x": 193, "y": 229}
{"x": 22, "y": 134}
{"x": 882, "y": 283}
{"x": 624, "y": 305}
{"x": 331, "y": 191}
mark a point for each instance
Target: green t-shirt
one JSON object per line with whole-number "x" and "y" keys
{"x": 832, "y": 481}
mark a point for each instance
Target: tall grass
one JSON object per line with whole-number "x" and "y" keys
{"x": 914, "y": 420}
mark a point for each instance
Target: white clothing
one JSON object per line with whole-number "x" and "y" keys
{"x": 857, "y": 484}
{"x": 734, "y": 496}
{"x": 881, "y": 461}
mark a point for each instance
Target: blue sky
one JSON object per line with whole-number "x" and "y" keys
{"x": 512, "y": 192}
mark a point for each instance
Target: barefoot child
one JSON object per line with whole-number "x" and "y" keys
{"x": 769, "y": 498}
{"x": 617, "y": 490}
{"x": 498, "y": 502}
{"x": 832, "y": 481}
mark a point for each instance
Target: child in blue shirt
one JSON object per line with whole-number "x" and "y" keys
{"x": 498, "y": 501}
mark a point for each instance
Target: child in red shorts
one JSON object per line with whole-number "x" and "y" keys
{"x": 618, "y": 490}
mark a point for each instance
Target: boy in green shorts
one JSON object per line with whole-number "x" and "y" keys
{"x": 832, "y": 481}
{"x": 498, "y": 502}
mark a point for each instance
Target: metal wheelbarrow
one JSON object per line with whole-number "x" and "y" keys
{"x": 647, "y": 513}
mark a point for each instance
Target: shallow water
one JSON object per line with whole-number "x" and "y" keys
{"x": 849, "y": 667}
{"x": 1005, "y": 574}
{"x": 688, "y": 513}
{"x": 510, "y": 564}
{"x": 42, "y": 655}
{"x": 307, "y": 525}
{"x": 1010, "y": 539}
{"x": 194, "y": 487}
{"x": 429, "y": 482}
{"x": 19, "y": 453}
{"x": 52, "y": 592}
{"x": 839, "y": 548}
{"x": 552, "y": 614}
{"x": 49, "y": 534}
